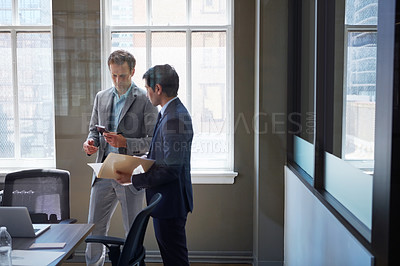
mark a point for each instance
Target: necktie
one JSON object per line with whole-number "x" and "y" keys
{"x": 150, "y": 155}
{"x": 158, "y": 121}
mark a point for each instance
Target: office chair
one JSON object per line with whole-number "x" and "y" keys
{"x": 133, "y": 251}
{"x": 44, "y": 192}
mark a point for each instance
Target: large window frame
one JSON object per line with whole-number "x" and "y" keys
{"x": 381, "y": 239}
{"x": 14, "y": 29}
{"x": 202, "y": 175}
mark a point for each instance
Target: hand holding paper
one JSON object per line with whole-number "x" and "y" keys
{"x": 117, "y": 165}
{"x": 123, "y": 178}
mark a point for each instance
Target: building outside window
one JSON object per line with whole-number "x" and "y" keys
{"x": 360, "y": 83}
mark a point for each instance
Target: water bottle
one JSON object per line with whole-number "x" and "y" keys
{"x": 5, "y": 247}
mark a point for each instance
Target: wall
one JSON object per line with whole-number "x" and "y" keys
{"x": 76, "y": 36}
{"x": 269, "y": 188}
{"x": 313, "y": 236}
{"x": 220, "y": 228}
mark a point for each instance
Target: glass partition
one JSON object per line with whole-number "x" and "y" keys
{"x": 304, "y": 117}
{"x": 349, "y": 162}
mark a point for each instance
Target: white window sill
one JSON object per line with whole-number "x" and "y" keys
{"x": 198, "y": 177}
{"x": 205, "y": 177}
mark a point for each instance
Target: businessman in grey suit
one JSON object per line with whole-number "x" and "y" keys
{"x": 129, "y": 119}
{"x": 170, "y": 175}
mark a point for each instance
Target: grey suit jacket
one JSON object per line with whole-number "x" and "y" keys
{"x": 136, "y": 122}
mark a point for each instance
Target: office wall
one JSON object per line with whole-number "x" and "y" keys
{"x": 313, "y": 236}
{"x": 222, "y": 221}
{"x": 271, "y": 113}
{"x": 76, "y": 47}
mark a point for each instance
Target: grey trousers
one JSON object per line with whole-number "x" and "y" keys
{"x": 104, "y": 197}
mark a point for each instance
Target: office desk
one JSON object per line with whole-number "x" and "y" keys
{"x": 71, "y": 234}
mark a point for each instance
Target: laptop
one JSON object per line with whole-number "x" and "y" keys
{"x": 19, "y": 223}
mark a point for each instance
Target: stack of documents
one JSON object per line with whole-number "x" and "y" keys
{"x": 123, "y": 163}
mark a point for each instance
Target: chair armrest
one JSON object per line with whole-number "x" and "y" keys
{"x": 68, "y": 221}
{"x": 105, "y": 240}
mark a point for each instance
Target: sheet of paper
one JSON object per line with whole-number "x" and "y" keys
{"x": 34, "y": 257}
{"x": 121, "y": 162}
{"x": 96, "y": 167}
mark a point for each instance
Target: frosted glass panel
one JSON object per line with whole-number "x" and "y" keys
{"x": 350, "y": 186}
{"x": 304, "y": 154}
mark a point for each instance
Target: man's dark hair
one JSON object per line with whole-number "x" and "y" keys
{"x": 166, "y": 76}
{"x": 119, "y": 57}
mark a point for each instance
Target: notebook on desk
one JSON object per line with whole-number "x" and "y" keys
{"x": 19, "y": 223}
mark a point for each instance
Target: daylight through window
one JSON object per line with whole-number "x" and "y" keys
{"x": 195, "y": 37}
{"x": 26, "y": 84}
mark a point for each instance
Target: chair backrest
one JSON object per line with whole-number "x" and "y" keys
{"x": 133, "y": 246}
{"x": 44, "y": 192}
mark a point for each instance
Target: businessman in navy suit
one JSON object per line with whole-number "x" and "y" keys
{"x": 170, "y": 175}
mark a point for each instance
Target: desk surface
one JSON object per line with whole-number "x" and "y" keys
{"x": 72, "y": 234}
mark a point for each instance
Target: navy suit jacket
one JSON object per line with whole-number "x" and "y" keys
{"x": 170, "y": 174}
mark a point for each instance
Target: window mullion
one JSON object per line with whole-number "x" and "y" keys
{"x": 189, "y": 69}
{"x": 324, "y": 87}
{"x": 105, "y": 34}
{"x": 17, "y": 147}
{"x": 345, "y": 62}
{"x": 149, "y": 12}
{"x": 229, "y": 84}
{"x": 148, "y": 49}
{"x": 229, "y": 6}
{"x": 148, "y": 34}
{"x": 189, "y": 13}
{"x": 15, "y": 19}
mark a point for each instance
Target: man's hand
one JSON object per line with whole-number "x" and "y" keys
{"x": 115, "y": 140}
{"x": 123, "y": 178}
{"x": 89, "y": 148}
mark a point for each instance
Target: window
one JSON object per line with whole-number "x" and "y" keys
{"x": 194, "y": 36}
{"x": 303, "y": 119}
{"x": 334, "y": 73}
{"x": 349, "y": 163}
{"x": 357, "y": 109}
{"x": 26, "y": 84}
{"x": 360, "y": 83}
